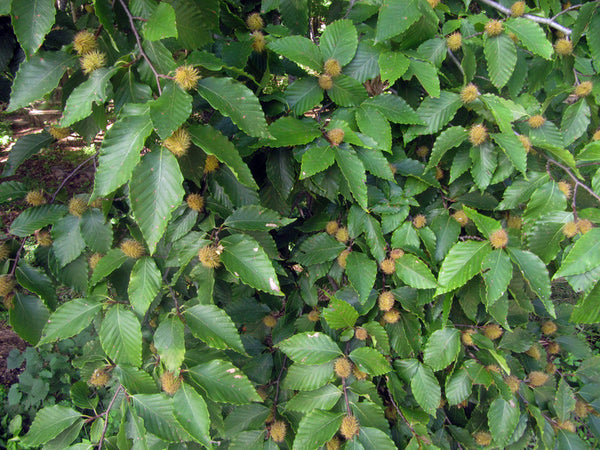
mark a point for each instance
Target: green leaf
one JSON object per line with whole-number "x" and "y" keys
{"x": 170, "y": 110}
{"x": 144, "y": 284}
{"x": 427, "y": 75}
{"x": 503, "y": 417}
{"x": 531, "y": 35}
{"x": 121, "y": 336}
{"x": 545, "y": 199}
{"x": 317, "y": 249}
{"x": 192, "y": 414}
{"x": 38, "y": 76}
{"x": 303, "y": 94}
{"x": 364, "y": 65}
{"x": 236, "y": 101}
{"x": 448, "y": 139}
{"x": 24, "y": 148}
{"x": 214, "y": 143}
{"x": 371, "y": 437}
{"x": 458, "y": 387}
{"x": 256, "y": 218}
{"x": 223, "y": 382}
{"x": 246, "y": 259}
{"x": 372, "y": 123}
{"x": 316, "y": 428}
{"x": 121, "y": 149}
{"x": 96, "y": 89}
{"x": 246, "y": 417}
{"x": 157, "y": 412}
{"x": 536, "y": 275}
{"x": 36, "y": 281}
{"x": 513, "y": 149}
{"x": 340, "y": 314}
{"x": 588, "y": 308}
{"x": 354, "y": 172}
{"x": 564, "y": 400}
{"x": 375, "y": 162}
{"x": 497, "y": 272}
{"x": 392, "y": 66}
{"x": 323, "y": 398}
{"x": 486, "y": 225}
{"x": 446, "y": 230}
{"x": 485, "y": 161}
{"x": 169, "y": 342}
{"x": 346, "y": 91}
{"x": 31, "y": 21}
{"x": 575, "y": 121}
{"x": 108, "y": 264}
{"x": 289, "y": 131}
{"x": 67, "y": 241}
{"x": 361, "y": 271}
{"x": 316, "y": 159}
{"x": 35, "y": 218}
{"x": 395, "y": 17}
{"x": 28, "y": 317}
{"x": 302, "y": 377}
{"x": 299, "y": 49}
{"x": 155, "y": 191}
{"x": 370, "y": 361}
{"x": 426, "y": 389}
{"x": 49, "y": 422}
{"x": 12, "y": 190}
{"x": 501, "y": 56}
{"x": 310, "y": 348}
{"x": 545, "y": 236}
{"x": 135, "y": 380}
{"x": 462, "y": 263}
{"x": 339, "y": 41}
{"x": 394, "y": 108}
{"x": 436, "y": 112}
{"x": 415, "y": 272}
{"x": 161, "y": 24}
{"x": 212, "y": 325}
{"x": 70, "y": 319}
{"x": 583, "y": 257}
{"x": 248, "y": 439}
{"x": 593, "y": 39}
{"x": 442, "y": 348}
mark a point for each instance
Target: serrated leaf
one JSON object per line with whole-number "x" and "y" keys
{"x": 394, "y": 108}
{"x": 316, "y": 428}
{"x": 426, "y": 389}
{"x": 442, "y": 348}
{"x": 318, "y": 249}
{"x": 38, "y": 76}
{"x": 67, "y": 240}
{"x": 361, "y": 271}
{"x": 547, "y": 198}
{"x": 458, "y": 387}
{"x": 346, "y": 91}
{"x": 370, "y": 361}
{"x": 169, "y": 342}
{"x": 12, "y": 190}
{"x": 485, "y": 161}
{"x": 339, "y": 41}
{"x": 96, "y": 89}
{"x": 535, "y": 273}
{"x": 588, "y": 308}
{"x": 427, "y": 75}
{"x": 323, "y": 398}
{"x": 170, "y": 110}
{"x": 583, "y": 257}
{"x": 513, "y": 148}
{"x": 236, "y": 101}
{"x": 316, "y": 159}
{"x": 299, "y": 49}
{"x": 108, "y": 264}
{"x": 593, "y": 39}
{"x": 310, "y": 348}
{"x": 223, "y": 382}
{"x": 246, "y": 259}
{"x": 212, "y": 325}
{"x": 144, "y": 284}
{"x": 372, "y": 123}
{"x": 135, "y": 380}
{"x": 36, "y": 281}
{"x": 497, "y": 272}
{"x": 340, "y": 314}
{"x": 121, "y": 336}
{"x": 564, "y": 400}
{"x": 246, "y": 417}
{"x": 501, "y": 56}
{"x": 446, "y": 230}
{"x": 289, "y": 131}
{"x": 214, "y": 143}
{"x": 120, "y": 150}
{"x": 31, "y": 21}
{"x": 49, "y": 422}
{"x": 154, "y": 192}
{"x": 415, "y": 272}
{"x": 375, "y": 162}
{"x": 161, "y": 23}
{"x": 157, "y": 412}
{"x": 531, "y": 35}
{"x": 24, "y": 148}
{"x": 392, "y": 66}
{"x": 97, "y": 234}
{"x": 303, "y": 377}
{"x": 575, "y": 121}
{"x": 503, "y": 417}
{"x": 354, "y": 172}
{"x": 256, "y": 218}
{"x": 364, "y": 65}
{"x": 395, "y": 17}
{"x": 461, "y": 264}
{"x": 303, "y": 94}
{"x": 436, "y": 112}
{"x": 371, "y": 437}
{"x": 192, "y": 414}
{"x": 545, "y": 236}
{"x": 70, "y": 319}
{"x": 448, "y": 139}
{"x": 27, "y": 317}
{"x": 35, "y": 218}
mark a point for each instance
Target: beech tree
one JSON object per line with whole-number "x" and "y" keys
{"x": 314, "y": 224}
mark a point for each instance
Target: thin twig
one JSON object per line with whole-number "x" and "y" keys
{"x": 278, "y": 381}
{"x": 573, "y": 177}
{"x": 139, "y": 44}
{"x": 544, "y": 20}
{"x": 453, "y": 58}
{"x": 105, "y": 414}
{"x": 71, "y": 175}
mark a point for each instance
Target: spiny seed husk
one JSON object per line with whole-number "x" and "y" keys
{"x": 419, "y": 221}
{"x": 517, "y": 9}
{"x": 325, "y": 81}
{"x": 342, "y": 257}
{"x": 332, "y": 67}
{"x": 350, "y": 427}
{"x": 386, "y": 301}
{"x": 454, "y": 41}
{"x": 494, "y": 28}
{"x": 258, "y": 42}
{"x": 342, "y": 235}
{"x": 396, "y": 253}
{"x": 99, "y": 378}
{"x": 584, "y": 89}
{"x": 44, "y": 239}
{"x": 269, "y": 321}
{"x": 342, "y": 367}
{"x": 7, "y": 284}
{"x": 563, "y": 47}
{"x": 132, "y": 248}
{"x": 335, "y": 136}
{"x": 493, "y": 331}
{"x": 209, "y": 257}
{"x": 478, "y": 134}
{"x": 92, "y": 61}
{"x": 255, "y": 22}
{"x": 461, "y": 218}
{"x": 170, "y": 383}
{"x": 211, "y": 164}
{"x": 483, "y": 438}
{"x": 77, "y": 206}
{"x": 584, "y": 225}
{"x": 278, "y": 431}
{"x": 361, "y": 334}
{"x": 35, "y": 198}
{"x": 469, "y": 93}
{"x": 179, "y": 142}
{"x": 549, "y": 327}
{"x": 331, "y": 227}
{"x": 391, "y": 316}
{"x": 537, "y": 378}
{"x": 195, "y": 202}
{"x": 388, "y": 266}
{"x": 186, "y": 77}
{"x": 570, "y": 229}
{"x": 499, "y": 239}
{"x": 536, "y": 121}
{"x": 84, "y": 42}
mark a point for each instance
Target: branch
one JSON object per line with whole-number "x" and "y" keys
{"x": 573, "y": 177}
{"x": 73, "y": 172}
{"x": 105, "y": 414}
{"x": 546, "y": 21}
{"x": 139, "y": 44}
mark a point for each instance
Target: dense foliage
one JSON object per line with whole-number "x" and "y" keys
{"x": 312, "y": 224}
